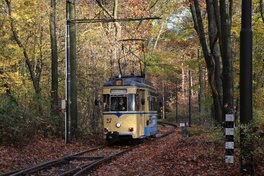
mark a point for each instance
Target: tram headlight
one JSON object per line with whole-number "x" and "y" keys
{"x": 118, "y": 125}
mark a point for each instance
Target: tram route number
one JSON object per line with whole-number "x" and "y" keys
{"x": 108, "y": 120}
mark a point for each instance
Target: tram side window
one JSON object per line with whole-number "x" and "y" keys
{"x": 140, "y": 101}
{"x": 153, "y": 103}
{"x": 137, "y": 102}
{"x": 132, "y": 102}
{"x": 106, "y": 102}
{"x": 118, "y": 103}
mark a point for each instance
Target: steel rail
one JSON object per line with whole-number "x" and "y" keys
{"x": 48, "y": 163}
{"x": 167, "y": 123}
{"x": 86, "y": 167}
{"x": 91, "y": 166}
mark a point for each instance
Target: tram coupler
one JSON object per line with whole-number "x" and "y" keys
{"x": 112, "y": 137}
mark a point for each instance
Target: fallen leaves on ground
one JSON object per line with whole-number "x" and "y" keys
{"x": 40, "y": 150}
{"x": 173, "y": 155}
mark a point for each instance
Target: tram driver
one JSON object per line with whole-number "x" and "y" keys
{"x": 118, "y": 104}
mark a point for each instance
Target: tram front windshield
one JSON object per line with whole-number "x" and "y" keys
{"x": 119, "y": 103}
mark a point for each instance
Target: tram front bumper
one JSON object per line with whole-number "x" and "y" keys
{"x": 114, "y": 136}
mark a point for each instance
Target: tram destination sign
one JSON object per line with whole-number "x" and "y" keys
{"x": 118, "y": 91}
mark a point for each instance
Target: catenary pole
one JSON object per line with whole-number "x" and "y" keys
{"x": 246, "y": 166}
{"x": 190, "y": 99}
{"x": 176, "y": 102}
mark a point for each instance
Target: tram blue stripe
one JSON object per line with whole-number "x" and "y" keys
{"x": 128, "y": 113}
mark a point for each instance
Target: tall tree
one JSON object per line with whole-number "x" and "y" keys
{"x": 261, "y": 7}
{"x": 201, "y": 94}
{"x": 209, "y": 52}
{"x": 34, "y": 68}
{"x": 219, "y": 29}
{"x": 72, "y": 104}
{"x": 74, "y": 112}
{"x": 226, "y": 51}
{"x": 116, "y": 32}
{"x": 190, "y": 97}
{"x": 54, "y": 57}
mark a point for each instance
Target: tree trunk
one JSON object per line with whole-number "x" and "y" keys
{"x": 226, "y": 53}
{"x": 163, "y": 100}
{"x": 183, "y": 82}
{"x": 159, "y": 34}
{"x": 176, "y": 102}
{"x": 261, "y": 6}
{"x": 210, "y": 58}
{"x": 54, "y": 58}
{"x": 116, "y": 33}
{"x": 213, "y": 36}
{"x": 201, "y": 95}
{"x": 190, "y": 98}
{"x": 73, "y": 85}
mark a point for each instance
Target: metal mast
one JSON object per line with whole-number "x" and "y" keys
{"x": 246, "y": 166}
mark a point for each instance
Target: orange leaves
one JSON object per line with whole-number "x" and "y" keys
{"x": 172, "y": 155}
{"x": 39, "y": 150}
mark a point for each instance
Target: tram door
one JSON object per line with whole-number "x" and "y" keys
{"x": 141, "y": 108}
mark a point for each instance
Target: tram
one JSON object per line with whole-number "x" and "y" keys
{"x": 130, "y": 108}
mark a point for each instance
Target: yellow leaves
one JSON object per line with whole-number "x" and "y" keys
{"x": 9, "y": 78}
{"x": 30, "y": 11}
{"x": 12, "y": 46}
{"x": 259, "y": 98}
{"x": 15, "y": 16}
{"x": 235, "y": 31}
{"x": 6, "y": 63}
{"x": 10, "y": 55}
{"x": 28, "y": 3}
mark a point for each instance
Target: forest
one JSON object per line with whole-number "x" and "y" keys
{"x": 190, "y": 51}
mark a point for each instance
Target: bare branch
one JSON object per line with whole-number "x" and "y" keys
{"x": 104, "y": 8}
{"x": 115, "y": 9}
{"x": 194, "y": 17}
{"x": 231, "y": 11}
{"x": 261, "y": 9}
{"x": 153, "y": 5}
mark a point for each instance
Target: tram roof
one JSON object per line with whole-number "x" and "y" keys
{"x": 137, "y": 81}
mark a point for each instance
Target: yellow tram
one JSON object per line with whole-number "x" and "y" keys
{"x": 130, "y": 108}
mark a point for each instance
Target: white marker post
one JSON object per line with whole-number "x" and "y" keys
{"x": 184, "y": 131}
{"x": 229, "y": 144}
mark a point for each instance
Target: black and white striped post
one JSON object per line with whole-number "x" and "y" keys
{"x": 229, "y": 143}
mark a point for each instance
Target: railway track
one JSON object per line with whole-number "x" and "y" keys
{"x": 169, "y": 128}
{"x": 84, "y": 161}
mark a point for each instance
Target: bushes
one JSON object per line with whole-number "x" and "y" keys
{"x": 12, "y": 124}
{"x": 258, "y": 133}
{"x": 17, "y": 126}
